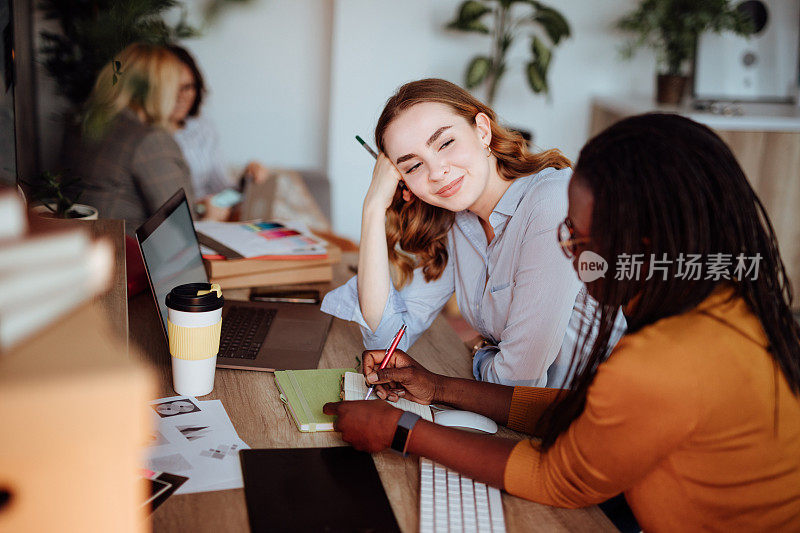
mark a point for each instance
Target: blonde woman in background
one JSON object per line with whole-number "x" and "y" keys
{"x": 127, "y": 159}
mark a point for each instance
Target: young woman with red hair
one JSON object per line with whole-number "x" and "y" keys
{"x": 458, "y": 204}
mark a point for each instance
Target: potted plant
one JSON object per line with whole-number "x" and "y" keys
{"x": 672, "y": 27}
{"x": 51, "y": 197}
{"x": 505, "y": 25}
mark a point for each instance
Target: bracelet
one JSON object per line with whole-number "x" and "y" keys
{"x": 403, "y": 432}
{"x": 478, "y": 345}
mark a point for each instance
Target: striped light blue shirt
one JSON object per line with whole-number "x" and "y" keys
{"x": 519, "y": 291}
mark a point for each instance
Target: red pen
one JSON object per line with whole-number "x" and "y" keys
{"x": 388, "y": 354}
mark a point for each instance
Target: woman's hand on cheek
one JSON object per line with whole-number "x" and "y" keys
{"x": 367, "y": 425}
{"x": 385, "y": 179}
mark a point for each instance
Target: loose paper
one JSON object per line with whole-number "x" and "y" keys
{"x": 197, "y": 440}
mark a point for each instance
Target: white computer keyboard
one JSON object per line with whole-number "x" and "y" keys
{"x": 449, "y": 502}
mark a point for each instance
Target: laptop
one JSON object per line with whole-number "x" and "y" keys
{"x": 255, "y": 335}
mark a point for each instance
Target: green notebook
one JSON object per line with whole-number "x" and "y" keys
{"x": 304, "y": 392}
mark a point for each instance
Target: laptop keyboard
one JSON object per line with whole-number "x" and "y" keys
{"x": 243, "y": 331}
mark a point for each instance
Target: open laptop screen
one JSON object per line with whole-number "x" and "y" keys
{"x": 170, "y": 250}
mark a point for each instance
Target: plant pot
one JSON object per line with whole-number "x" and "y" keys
{"x": 670, "y": 88}
{"x": 76, "y": 212}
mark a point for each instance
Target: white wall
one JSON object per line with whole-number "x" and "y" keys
{"x": 378, "y": 45}
{"x": 267, "y": 67}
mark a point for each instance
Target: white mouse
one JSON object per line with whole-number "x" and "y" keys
{"x": 465, "y": 420}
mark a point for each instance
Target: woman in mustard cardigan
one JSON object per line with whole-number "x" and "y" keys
{"x": 695, "y": 415}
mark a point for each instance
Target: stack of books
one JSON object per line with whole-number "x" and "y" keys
{"x": 255, "y": 254}
{"x": 46, "y": 274}
{"x": 240, "y": 273}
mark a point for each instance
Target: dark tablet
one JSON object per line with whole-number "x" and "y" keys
{"x": 314, "y": 489}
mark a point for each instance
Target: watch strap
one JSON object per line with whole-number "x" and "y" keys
{"x": 401, "y": 434}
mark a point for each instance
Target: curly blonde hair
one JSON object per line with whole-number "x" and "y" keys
{"x": 416, "y": 232}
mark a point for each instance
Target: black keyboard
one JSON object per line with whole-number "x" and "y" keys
{"x": 243, "y": 331}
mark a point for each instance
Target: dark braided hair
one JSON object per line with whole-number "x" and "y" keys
{"x": 664, "y": 184}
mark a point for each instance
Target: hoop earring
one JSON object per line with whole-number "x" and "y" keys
{"x": 488, "y": 150}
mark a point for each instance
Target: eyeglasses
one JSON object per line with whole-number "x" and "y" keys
{"x": 567, "y": 240}
{"x": 187, "y": 88}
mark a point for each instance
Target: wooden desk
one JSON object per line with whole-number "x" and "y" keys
{"x": 251, "y": 400}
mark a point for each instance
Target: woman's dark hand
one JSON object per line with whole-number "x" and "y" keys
{"x": 403, "y": 377}
{"x": 366, "y": 425}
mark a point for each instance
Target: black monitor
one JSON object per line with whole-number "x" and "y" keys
{"x": 19, "y": 141}
{"x": 8, "y": 145}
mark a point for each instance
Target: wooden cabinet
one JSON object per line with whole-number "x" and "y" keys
{"x": 766, "y": 141}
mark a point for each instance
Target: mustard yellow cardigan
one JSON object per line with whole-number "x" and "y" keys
{"x": 689, "y": 417}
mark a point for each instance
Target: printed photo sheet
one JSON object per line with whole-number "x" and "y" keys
{"x": 197, "y": 440}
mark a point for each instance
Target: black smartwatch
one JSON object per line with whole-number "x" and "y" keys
{"x": 404, "y": 427}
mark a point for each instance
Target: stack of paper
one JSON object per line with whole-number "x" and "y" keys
{"x": 264, "y": 253}
{"x": 197, "y": 440}
{"x": 259, "y": 239}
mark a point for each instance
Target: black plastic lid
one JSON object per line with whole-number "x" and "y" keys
{"x": 184, "y": 298}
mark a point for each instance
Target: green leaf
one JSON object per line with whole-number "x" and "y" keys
{"x": 505, "y": 42}
{"x": 536, "y": 78}
{"x": 468, "y": 17}
{"x": 475, "y": 26}
{"x": 472, "y": 10}
{"x": 553, "y": 23}
{"x": 477, "y": 70}
{"x": 541, "y": 53}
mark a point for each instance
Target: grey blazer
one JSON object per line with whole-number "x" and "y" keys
{"x": 130, "y": 172}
